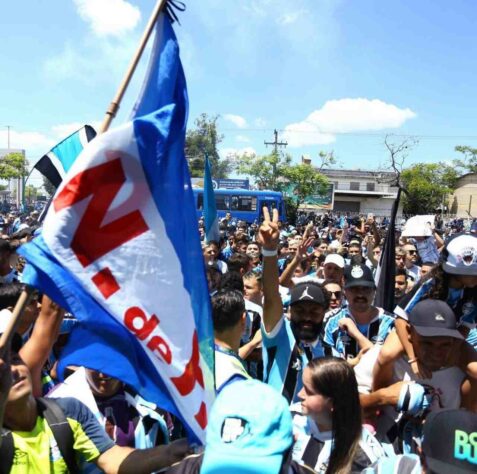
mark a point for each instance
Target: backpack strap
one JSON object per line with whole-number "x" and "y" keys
{"x": 7, "y": 451}
{"x": 62, "y": 432}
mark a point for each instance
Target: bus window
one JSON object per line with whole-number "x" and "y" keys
{"x": 270, "y": 203}
{"x": 243, "y": 203}
{"x": 200, "y": 201}
{"x": 222, "y": 202}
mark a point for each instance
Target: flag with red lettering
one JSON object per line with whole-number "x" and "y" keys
{"x": 120, "y": 249}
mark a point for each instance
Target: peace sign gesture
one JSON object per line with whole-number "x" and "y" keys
{"x": 268, "y": 234}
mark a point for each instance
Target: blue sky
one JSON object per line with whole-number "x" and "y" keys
{"x": 328, "y": 74}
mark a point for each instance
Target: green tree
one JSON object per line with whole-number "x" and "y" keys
{"x": 427, "y": 186}
{"x": 202, "y": 140}
{"x": 48, "y": 187}
{"x": 301, "y": 181}
{"x": 267, "y": 171}
{"x": 31, "y": 193}
{"x": 13, "y": 165}
{"x": 469, "y": 162}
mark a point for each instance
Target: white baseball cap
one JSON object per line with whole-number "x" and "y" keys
{"x": 338, "y": 260}
{"x": 460, "y": 255}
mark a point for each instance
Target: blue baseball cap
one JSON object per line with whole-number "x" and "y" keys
{"x": 249, "y": 430}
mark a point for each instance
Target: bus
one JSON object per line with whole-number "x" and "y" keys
{"x": 243, "y": 204}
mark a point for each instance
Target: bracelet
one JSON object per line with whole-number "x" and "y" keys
{"x": 411, "y": 361}
{"x": 269, "y": 253}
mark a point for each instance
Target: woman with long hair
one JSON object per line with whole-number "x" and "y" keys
{"x": 329, "y": 435}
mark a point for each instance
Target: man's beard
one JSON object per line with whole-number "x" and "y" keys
{"x": 308, "y": 334}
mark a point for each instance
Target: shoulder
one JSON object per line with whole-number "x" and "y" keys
{"x": 73, "y": 408}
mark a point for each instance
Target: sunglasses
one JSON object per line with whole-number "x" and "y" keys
{"x": 336, "y": 294}
{"x": 412, "y": 252}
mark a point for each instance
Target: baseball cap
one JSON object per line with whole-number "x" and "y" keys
{"x": 5, "y": 317}
{"x": 307, "y": 292}
{"x": 449, "y": 441}
{"x": 358, "y": 275}
{"x": 249, "y": 430}
{"x": 434, "y": 318}
{"x": 338, "y": 260}
{"x": 460, "y": 255}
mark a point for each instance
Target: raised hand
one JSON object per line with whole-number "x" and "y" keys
{"x": 268, "y": 233}
{"x": 302, "y": 250}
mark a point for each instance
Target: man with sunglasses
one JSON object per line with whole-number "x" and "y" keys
{"x": 359, "y": 325}
{"x": 411, "y": 258}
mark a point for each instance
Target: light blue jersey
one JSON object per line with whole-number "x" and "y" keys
{"x": 343, "y": 345}
{"x": 284, "y": 359}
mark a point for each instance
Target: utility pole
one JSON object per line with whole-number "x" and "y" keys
{"x": 275, "y": 144}
{"x": 8, "y": 127}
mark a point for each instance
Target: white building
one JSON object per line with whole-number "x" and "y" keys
{"x": 364, "y": 192}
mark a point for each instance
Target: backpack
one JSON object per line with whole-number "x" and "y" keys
{"x": 62, "y": 432}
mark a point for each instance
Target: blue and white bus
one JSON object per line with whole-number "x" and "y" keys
{"x": 243, "y": 204}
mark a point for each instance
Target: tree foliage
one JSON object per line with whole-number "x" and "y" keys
{"x": 202, "y": 140}
{"x": 469, "y": 161}
{"x": 31, "y": 193}
{"x": 267, "y": 171}
{"x": 304, "y": 181}
{"x": 427, "y": 186}
{"x": 48, "y": 187}
{"x": 13, "y": 165}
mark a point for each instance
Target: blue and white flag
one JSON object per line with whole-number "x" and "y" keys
{"x": 210, "y": 209}
{"x": 120, "y": 250}
{"x": 57, "y": 162}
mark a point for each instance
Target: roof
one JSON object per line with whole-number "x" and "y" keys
{"x": 358, "y": 173}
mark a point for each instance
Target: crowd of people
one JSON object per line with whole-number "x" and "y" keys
{"x": 311, "y": 374}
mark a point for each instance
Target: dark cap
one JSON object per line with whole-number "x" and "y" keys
{"x": 358, "y": 275}
{"x": 449, "y": 441}
{"x": 307, "y": 292}
{"x": 434, "y": 318}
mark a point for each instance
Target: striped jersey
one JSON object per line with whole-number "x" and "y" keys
{"x": 339, "y": 343}
{"x": 284, "y": 359}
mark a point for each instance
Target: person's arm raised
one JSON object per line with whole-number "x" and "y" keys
{"x": 45, "y": 332}
{"x": 300, "y": 255}
{"x": 268, "y": 236}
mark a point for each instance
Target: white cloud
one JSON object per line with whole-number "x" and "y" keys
{"x": 345, "y": 116}
{"x": 242, "y": 139}
{"x": 108, "y": 17}
{"x": 28, "y": 140}
{"x": 260, "y": 122}
{"x": 290, "y": 17}
{"x": 62, "y": 130}
{"x": 237, "y": 120}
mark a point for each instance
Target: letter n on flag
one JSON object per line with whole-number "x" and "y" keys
{"x": 120, "y": 250}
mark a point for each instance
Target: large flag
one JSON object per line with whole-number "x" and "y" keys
{"x": 120, "y": 249}
{"x": 386, "y": 271}
{"x": 210, "y": 210}
{"x": 57, "y": 162}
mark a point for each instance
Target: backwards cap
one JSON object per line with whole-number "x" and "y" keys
{"x": 459, "y": 256}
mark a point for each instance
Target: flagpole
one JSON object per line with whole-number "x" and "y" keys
{"x": 114, "y": 105}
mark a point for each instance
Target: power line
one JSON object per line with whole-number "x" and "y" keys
{"x": 354, "y": 134}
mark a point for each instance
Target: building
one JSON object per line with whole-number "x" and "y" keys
{"x": 463, "y": 203}
{"x": 364, "y": 192}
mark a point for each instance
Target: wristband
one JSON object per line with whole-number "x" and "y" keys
{"x": 269, "y": 253}
{"x": 411, "y": 361}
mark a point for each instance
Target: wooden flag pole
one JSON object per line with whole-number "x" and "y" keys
{"x": 114, "y": 106}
